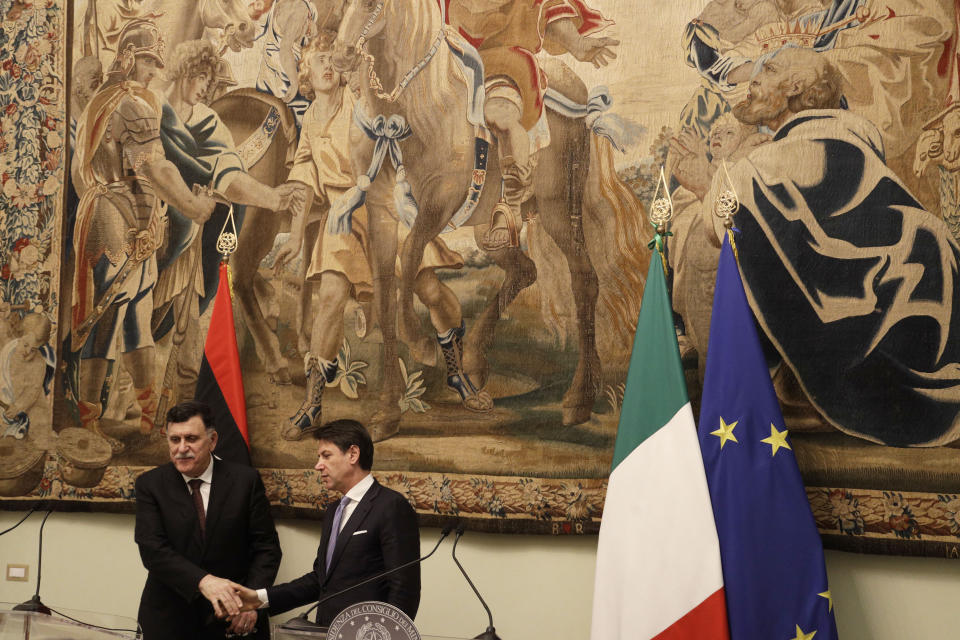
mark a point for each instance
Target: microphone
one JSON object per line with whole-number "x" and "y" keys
{"x": 34, "y": 604}
{"x": 301, "y": 622}
{"x": 491, "y": 632}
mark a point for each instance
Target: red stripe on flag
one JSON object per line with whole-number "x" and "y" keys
{"x": 223, "y": 355}
{"x": 707, "y": 620}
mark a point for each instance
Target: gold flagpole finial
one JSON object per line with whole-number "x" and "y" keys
{"x": 726, "y": 206}
{"x": 661, "y": 209}
{"x": 227, "y": 240}
{"x": 661, "y": 212}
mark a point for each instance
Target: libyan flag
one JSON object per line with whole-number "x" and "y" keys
{"x": 658, "y": 561}
{"x": 220, "y": 383}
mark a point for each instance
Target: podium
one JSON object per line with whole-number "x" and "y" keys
{"x": 85, "y": 625}
{"x": 369, "y": 619}
{"x": 320, "y": 633}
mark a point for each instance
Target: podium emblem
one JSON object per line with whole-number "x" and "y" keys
{"x": 374, "y": 631}
{"x": 372, "y": 620}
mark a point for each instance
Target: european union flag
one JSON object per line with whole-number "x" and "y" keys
{"x": 772, "y": 557}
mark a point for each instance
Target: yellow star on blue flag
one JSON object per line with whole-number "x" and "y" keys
{"x": 777, "y": 439}
{"x": 725, "y": 432}
{"x": 803, "y": 636}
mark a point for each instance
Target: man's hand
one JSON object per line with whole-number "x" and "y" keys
{"x": 204, "y": 208}
{"x": 248, "y": 597}
{"x": 597, "y": 51}
{"x": 243, "y": 623}
{"x": 688, "y": 143}
{"x": 221, "y": 594}
{"x": 287, "y": 252}
{"x": 692, "y": 170}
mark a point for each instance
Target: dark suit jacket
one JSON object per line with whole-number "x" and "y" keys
{"x": 381, "y": 533}
{"x": 241, "y": 544}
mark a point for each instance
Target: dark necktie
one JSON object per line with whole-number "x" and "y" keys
{"x": 335, "y": 531}
{"x": 195, "y": 485}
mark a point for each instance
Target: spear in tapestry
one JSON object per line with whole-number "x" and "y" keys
{"x": 91, "y": 31}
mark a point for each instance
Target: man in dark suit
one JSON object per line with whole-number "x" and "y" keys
{"x": 201, "y": 523}
{"x": 372, "y": 529}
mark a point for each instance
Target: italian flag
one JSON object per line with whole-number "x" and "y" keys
{"x": 658, "y": 560}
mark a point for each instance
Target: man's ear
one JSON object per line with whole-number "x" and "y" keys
{"x": 353, "y": 453}
{"x": 795, "y": 85}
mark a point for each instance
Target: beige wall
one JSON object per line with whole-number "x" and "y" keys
{"x": 538, "y": 587}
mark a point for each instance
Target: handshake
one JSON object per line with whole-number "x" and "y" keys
{"x": 233, "y": 602}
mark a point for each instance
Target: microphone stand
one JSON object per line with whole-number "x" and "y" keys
{"x": 34, "y": 604}
{"x": 301, "y": 622}
{"x": 491, "y": 632}
{"x": 22, "y": 520}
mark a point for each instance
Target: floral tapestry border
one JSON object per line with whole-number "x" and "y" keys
{"x": 900, "y": 522}
{"x": 33, "y": 96}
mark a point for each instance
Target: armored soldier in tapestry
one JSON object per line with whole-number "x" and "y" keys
{"x": 125, "y": 183}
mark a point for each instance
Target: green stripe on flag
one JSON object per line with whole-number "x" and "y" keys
{"x": 656, "y": 388}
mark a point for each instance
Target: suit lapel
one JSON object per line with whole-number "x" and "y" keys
{"x": 353, "y": 524}
{"x": 218, "y": 495}
{"x": 180, "y": 496}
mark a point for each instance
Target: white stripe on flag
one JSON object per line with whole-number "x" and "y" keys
{"x": 658, "y": 555}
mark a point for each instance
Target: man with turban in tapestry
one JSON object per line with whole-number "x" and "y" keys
{"x": 124, "y": 181}
{"x": 854, "y": 283}
{"x": 508, "y": 34}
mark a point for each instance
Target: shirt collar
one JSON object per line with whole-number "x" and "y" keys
{"x": 360, "y": 489}
{"x": 206, "y": 476}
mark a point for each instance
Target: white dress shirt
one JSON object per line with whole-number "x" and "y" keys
{"x": 355, "y": 494}
{"x": 207, "y": 477}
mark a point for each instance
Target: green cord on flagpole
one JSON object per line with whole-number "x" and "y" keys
{"x": 661, "y": 211}
{"x": 659, "y": 244}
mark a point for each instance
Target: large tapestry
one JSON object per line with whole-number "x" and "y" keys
{"x": 440, "y": 215}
